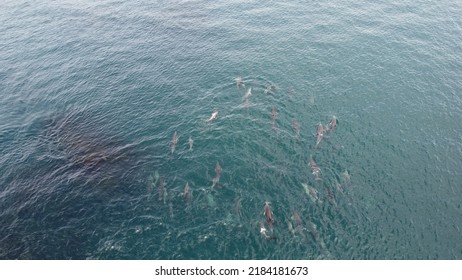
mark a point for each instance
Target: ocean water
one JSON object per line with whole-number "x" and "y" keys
{"x": 92, "y": 92}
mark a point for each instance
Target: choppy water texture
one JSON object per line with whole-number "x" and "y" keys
{"x": 93, "y": 92}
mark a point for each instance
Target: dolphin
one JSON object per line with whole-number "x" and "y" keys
{"x": 315, "y": 169}
{"x": 187, "y": 193}
{"x": 218, "y": 169}
{"x": 170, "y": 210}
{"x": 165, "y": 195}
{"x": 290, "y": 226}
{"x": 216, "y": 179}
{"x": 248, "y": 92}
{"x": 156, "y": 177}
{"x": 152, "y": 181}
{"x": 214, "y": 116}
{"x": 331, "y": 196}
{"x": 190, "y": 142}
{"x": 313, "y": 231}
{"x": 237, "y": 207}
{"x": 210, "y": 200}
{"x": 270, "y": 88}
{"x": 239, "y": 82}
{"x": 296, "y": 126}
{"x": 273, "y": 116}
{"x": 297, "y": 220}
{"x": 311, "y": 192}
{"x": 174, "y": 141}
{"x": 317, "y": 238}
{"x": 150, "y": 185}
{"x": 346, "y": 176}
{"x": 161, "y": 188}
{"x": 319, "y": 134}
{"x": 268, "y": 214}
{"x": 332, "y": 124}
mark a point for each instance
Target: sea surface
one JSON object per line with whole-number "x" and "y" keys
{"x": 92, "y": 93}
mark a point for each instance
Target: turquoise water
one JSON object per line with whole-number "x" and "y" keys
{"x": 92, "y": 93}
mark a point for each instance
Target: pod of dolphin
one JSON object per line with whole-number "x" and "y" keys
{"x": 322, "y": 132}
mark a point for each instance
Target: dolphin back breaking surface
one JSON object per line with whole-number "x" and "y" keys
{"x": 268, "y": 214}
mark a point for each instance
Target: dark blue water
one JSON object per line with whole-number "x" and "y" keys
{"x": 92, "y": 94}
